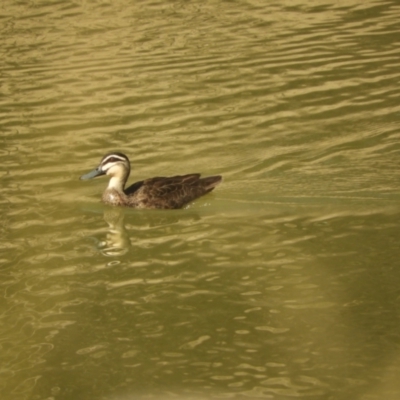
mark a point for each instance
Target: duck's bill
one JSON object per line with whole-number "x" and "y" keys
{"x": 92, "y": 174}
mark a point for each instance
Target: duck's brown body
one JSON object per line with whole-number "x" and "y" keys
{"x": 161, "y": 192}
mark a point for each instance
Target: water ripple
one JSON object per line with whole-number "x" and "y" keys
{"x": 286, "y": 272}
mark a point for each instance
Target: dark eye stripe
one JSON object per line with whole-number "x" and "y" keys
{"x": 112, "y": 159}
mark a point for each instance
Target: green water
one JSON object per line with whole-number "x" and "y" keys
{"x": 283, "y": 283}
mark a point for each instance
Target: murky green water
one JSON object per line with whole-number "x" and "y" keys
{"x": 283, "y": 283}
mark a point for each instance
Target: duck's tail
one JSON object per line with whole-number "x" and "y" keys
{"x": 210, "y": 182}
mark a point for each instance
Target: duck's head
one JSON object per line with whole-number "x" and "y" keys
{"x": 116, "y": 165}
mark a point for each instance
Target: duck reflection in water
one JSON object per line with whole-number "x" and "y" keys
{"x": 146, "y": 228}
{"x": 117, "y": 240}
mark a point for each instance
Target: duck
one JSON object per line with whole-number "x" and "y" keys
{"x": 154, "y": 193}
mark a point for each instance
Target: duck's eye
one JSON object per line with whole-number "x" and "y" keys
{"x": 112, "y": 159}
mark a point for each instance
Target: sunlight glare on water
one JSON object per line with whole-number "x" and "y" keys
{"x": 283, "y": 283}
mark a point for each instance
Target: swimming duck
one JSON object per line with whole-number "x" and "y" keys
{"x": 160, "y": 192}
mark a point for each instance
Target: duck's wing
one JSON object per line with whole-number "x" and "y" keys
{"x": 133, "y": 188}
{"x": 171, "y": 192}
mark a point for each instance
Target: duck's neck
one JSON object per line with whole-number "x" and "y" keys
{"x": 118, "y": 176}
{"x": 117, "y": 184}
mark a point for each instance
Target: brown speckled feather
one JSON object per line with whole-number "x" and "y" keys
{"x": 169, "y": 192}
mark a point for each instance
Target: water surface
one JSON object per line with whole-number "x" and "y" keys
{"x": 283, "y": 283}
